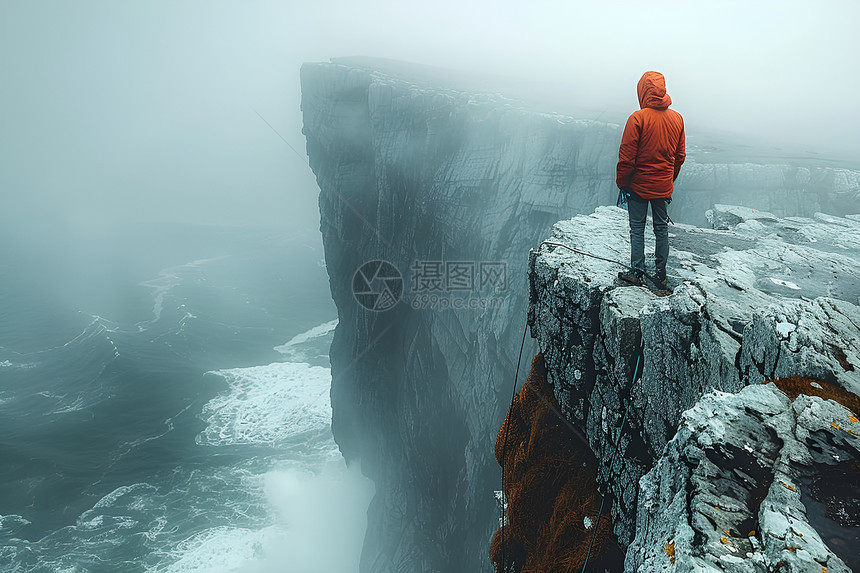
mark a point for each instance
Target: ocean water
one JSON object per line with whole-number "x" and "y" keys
{"x": 164, "y": 406}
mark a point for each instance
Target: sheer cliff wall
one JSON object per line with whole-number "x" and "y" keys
{"x": 410, "y": 174}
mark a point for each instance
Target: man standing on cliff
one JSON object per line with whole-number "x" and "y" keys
{"x": 649, "y": 160}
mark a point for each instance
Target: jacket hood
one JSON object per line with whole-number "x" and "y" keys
{"x": 652, "y": 91}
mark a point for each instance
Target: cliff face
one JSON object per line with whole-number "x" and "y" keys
{"x": 786, "y": 189}
{"x": 414, "y": 176}
{"x": 768, "y": 299}
{"x": 437, "y": 182}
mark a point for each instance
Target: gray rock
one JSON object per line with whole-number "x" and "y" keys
{"x": 727, "y": 324}
{"x": 411, "y": 171}
{"x": 726, "y": 493}
{"x": 726, "y": 217}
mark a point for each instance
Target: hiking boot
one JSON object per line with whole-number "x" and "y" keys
{"x": 631, "y": 278}
{"x": 661, "y": 282}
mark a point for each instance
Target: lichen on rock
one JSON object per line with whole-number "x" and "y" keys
{"x": 549, "y": 476}
{"x": 728, "y": 490}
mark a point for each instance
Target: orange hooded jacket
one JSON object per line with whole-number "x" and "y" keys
{"x": 653, "y": 145}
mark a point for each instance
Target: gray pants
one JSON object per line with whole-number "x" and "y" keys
{"x": 637, "y": 210}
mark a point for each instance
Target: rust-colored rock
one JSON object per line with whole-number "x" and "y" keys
{"x": 794, "y": 386}
{"x": 549, "y": 480}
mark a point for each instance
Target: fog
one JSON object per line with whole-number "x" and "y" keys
{"x": 148, "y": 110}
{"x": 325, "y": 514}
{"x": 133, "y": 133}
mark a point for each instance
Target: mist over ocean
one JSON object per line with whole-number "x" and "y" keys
{"x": 164, "y": 405}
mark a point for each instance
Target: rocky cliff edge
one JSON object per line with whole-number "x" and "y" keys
{"x": 714, "y": 470}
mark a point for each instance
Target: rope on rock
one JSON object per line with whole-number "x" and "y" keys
{"x": 513, "y": 396}
{"x": 616, "y": 446}
{"x": 505, "y": 442}
{"x": 592, "y": 255}
{"x": 632, "y": 381}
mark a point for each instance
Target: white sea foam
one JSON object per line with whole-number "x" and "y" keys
{"x": 325, "y": 514}
{"x": 322, "y": 517}
{"x": 169, "y": 278}
{"x": 307, "y": 516}
{"x": 306, "y": 346}
{"x": 9, "y": 364}
{"x": 268, "y": 405}
{"x": 127, "y": 491}
{"x": 11, "y": 523}
{"x": 221, "y": 550}
{"x": 315, "y": 332}
{"x": 315, "y": 523}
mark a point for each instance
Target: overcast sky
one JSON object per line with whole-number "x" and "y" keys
{"x": 145, "y": 109}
